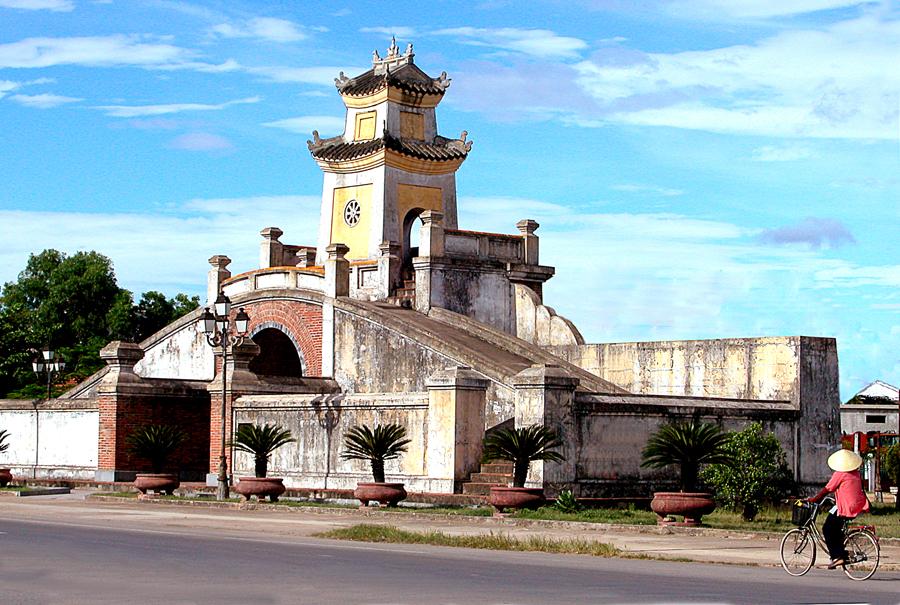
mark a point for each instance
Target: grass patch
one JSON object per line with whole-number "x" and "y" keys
{"x": 15, "y": 488}
{"x": 625, "y": 516}
{"x": 385, "y": 533}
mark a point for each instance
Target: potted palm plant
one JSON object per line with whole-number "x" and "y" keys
{"x": 5, "y": 473}
{"x": 384, "y": 443}
{"x": 687, "y": 446}
{"x": 521, "y": 446}
{"x": 260, "y": 441}
{"x": 155, "y": 443}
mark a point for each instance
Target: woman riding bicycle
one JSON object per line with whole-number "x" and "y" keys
{"x": 850, "y": 499}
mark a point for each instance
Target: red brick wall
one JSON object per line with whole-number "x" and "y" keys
{"x": 122, "y": 414}
{"x": 302, "y": 321}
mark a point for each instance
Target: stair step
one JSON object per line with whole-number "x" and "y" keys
{"x": 504, "y": 468}
{"x": 498, "y": 478}
{"x": 480, "y": 489}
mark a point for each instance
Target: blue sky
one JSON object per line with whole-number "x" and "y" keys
{"x": 700, "y": 168}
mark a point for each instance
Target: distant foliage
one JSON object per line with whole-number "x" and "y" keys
{"x": 757, "y": 472}
{"x": 890, "y": 467}
{"x": 74, "y": 304}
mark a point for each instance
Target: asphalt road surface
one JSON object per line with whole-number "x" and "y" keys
{"x": 217, "y": 557}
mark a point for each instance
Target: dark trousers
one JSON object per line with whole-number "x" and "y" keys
{"x": 833, "y": 532}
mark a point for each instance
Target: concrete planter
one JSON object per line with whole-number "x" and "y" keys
{"x": 387, "y": 494}
{"x": 260, "y": 487}
{"x": 691, "y": 506}
{"x": 516, "y": 497}
{"x": 5, "y": 476}
{"x": 158, "y": 483}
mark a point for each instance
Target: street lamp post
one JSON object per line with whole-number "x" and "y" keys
{"x": 48, "y": 363}
{"x": 219, "y": 333}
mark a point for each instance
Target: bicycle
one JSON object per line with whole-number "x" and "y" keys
{"x": 798, "y": 546}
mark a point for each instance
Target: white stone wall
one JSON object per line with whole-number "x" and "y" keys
{"x": 183, "y": 354}
{"x": 50, "y": 444}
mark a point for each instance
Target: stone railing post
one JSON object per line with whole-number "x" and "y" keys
{"x": 271, "y": 251}
{"x": 545, "y": 395}
{"x": 337, "y": 271}
{"x": 456, "y": 401}
{"x": 527, "y": 227}
{"x": 431, "y": 234}
{"x": 216, "y": 276}
{"x": 388, "y": 268}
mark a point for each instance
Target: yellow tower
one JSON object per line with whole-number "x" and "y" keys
{"x": 390, "y": 165}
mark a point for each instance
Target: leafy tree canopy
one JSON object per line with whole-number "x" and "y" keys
{"x": 756, "y": 473}
{"x": 74, "y": 305}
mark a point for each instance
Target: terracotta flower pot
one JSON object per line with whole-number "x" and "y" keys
{"x": 387, "y": 494}
{"x": 156, "y": 482}
{"x": 516, "y": 497}
{"x": 260, "y": 487}
{"x": 691, "y": 506}
{"x": 5, "y": 476}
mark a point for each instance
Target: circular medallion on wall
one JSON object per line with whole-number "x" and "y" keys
{"x": 352, "y": 211}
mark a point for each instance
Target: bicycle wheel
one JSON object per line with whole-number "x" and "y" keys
{"x": 865, "y": 554}
{"x": 798, "y": 552}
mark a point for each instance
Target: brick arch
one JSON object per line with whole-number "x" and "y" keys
{"x": 280, "y": 356}
{"x": 300, "y": 321}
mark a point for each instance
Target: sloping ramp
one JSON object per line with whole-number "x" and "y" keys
{"x": 491, "y": 352}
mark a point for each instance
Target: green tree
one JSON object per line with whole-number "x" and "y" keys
{"x": 890, "y": 466}
{"x": 386, "y": 442}
{"x": 73, "y": 304}
{"x": 522, "y": 446}
{"x": 756, "y": 473}
{"x": 687, "y": 445}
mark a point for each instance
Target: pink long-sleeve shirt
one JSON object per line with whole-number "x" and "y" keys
{"x": 848, "y": 493}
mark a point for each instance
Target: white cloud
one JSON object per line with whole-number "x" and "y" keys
{"x": 399, "y": 32}
{"x": 308, "y": 75}
{"x": 536, "y": 42}
{"x": 53, "y": 5}
{"x": 7, "y": 87}
{"x": 93, "y": 51}
{"x": 201, "y": 141}
{"x": 267, "y": 28}
{"x": 782, "y": 153}
{"x": 648, "y": 189}
{"x": 306, "y": 124}
{"x": 835, "y": 82}
{"x": 183, "y": 237}
{"x": 44, "y": 101}
{"x": 125, "y": 111}
{"x": 716, "y": 9}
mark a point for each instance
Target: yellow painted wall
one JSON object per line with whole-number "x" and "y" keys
{"x": 365, "y": 126}
{"x": 356, "y": 237}
{"x": 415, "y": 196}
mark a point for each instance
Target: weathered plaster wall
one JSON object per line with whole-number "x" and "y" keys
{"x": 178, "y": 353}
{"x": 50, "y": 440}
{"x": 742, "y": 368}
{"x": 613, "y": 432}
{"x": 855, "y": 418}
{"x": 370, "y": 358}
{"x": 319, "y": 423}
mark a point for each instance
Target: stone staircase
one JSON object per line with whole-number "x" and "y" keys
{"x": 495, "y": 474}
{"x": 404, "y": 296}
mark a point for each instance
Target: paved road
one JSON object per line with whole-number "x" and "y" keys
{"x": 73, "y": 553}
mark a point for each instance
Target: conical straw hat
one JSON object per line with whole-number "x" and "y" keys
{"x": 844, "y": 460}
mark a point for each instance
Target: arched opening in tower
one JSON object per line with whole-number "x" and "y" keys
{"x": 412, "y": 224}
{"x": 278, "y": 355}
